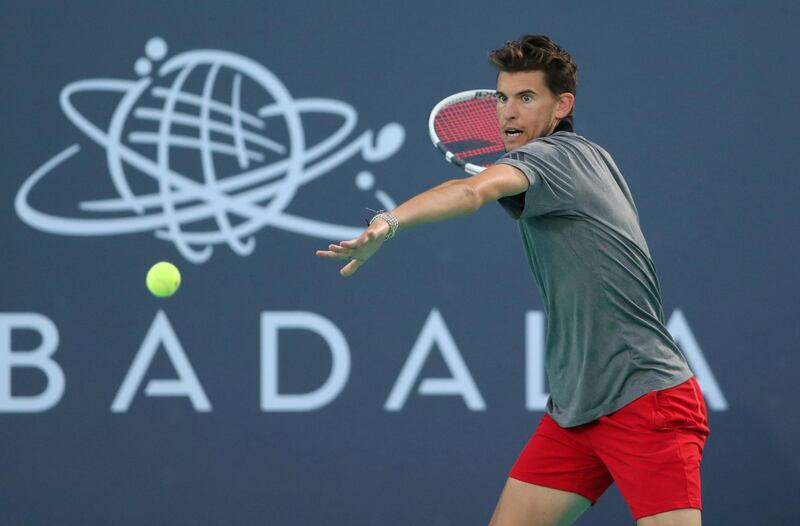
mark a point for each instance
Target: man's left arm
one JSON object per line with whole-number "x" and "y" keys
{"x": 455, "y": 198}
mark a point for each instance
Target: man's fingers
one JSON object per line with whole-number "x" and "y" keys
{"x": 336, "y": 251}
{"x": 327, "y": 254}
{"x": 352, "y": 243}
{"x": 350, "y": 268}
{"x": 350, "y": 249}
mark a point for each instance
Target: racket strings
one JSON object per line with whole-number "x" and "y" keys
{"x": 469, "y": 129}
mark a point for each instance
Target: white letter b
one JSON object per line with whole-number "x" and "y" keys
{"x": 39, "y": 358}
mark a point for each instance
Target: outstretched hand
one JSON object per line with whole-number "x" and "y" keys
{"x": 357, "y": 250}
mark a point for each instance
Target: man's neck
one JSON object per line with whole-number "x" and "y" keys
{"x": 564, "y": 125}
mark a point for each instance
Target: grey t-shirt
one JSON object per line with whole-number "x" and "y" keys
{"x": 607, "y": 344}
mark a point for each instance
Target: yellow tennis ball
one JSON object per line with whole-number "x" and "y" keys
{"x": 163, "y": 279}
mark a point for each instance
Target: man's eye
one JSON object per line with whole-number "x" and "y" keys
{"x": 501, "y": 99}
{"x": 527, "y": 98}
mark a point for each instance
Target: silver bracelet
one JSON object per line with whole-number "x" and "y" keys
{"x": 390, "y": 219}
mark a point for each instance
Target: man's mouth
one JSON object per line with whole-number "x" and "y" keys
{"x": 512, "y": 132}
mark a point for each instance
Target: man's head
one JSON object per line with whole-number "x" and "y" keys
{"x": 535, "y": 88}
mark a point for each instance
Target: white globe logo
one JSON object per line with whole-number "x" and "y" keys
{"x": 221, "y": 142}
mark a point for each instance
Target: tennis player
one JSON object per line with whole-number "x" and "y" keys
{"x": 624, "y": 406}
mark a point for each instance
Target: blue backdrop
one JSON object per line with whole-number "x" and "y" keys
{"x": 236, "y": 138}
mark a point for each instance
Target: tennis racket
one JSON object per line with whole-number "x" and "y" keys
{"x": 464, "y": 128}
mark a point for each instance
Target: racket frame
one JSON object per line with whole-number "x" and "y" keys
{"x": 471, "y": 169}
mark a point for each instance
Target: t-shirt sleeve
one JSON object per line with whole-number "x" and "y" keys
{"x": 552, "y": 185}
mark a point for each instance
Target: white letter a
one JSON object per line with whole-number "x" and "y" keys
{"x": 678, "y": 326}
{"x": 435, "y": 333}
{"x": 186, "y": 385}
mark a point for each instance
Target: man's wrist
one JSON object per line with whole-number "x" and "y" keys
{"x": 380, "y": 229}
{"x": 385, "y": 224}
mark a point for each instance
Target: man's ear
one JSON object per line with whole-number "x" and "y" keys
{"x": 566, "y": 101}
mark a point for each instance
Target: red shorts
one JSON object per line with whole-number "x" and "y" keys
{"x": 651, "y": 448}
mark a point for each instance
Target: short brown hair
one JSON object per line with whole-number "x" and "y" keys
{"x": 538, "y": 52}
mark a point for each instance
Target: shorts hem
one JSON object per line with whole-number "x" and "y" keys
{"x": 533, "y": 479}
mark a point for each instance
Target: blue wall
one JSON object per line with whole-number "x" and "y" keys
{"x": 695, "y": 101}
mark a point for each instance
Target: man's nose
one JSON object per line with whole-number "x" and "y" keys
{"x": 510, "y": 111}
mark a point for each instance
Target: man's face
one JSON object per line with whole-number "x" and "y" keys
{"x": 526, "y": 108}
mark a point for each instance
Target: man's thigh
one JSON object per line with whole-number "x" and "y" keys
{"x": 524, "y": 504}
{"x": 684, "y": 517}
